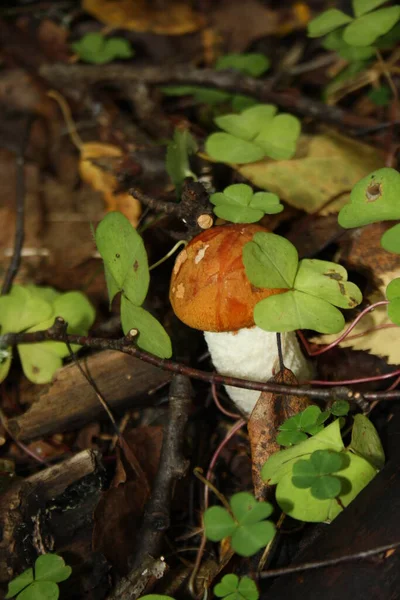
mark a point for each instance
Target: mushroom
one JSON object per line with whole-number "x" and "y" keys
{"x": 211, "y": 292}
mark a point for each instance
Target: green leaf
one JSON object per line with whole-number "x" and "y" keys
{"x": 125, "y": 258}
{"x": 270, "y": 261}
{"x": 252, "y": 64}
{"x": 237, "y": 214}
{"x": 227, "y": 585}
{"x": 327, "y": 21}
{"x": 243, "y": 589}
{"x": 38, "y": 362}
{"x": 48, "y": 294}
{"x": 267, "y": 202}
{"x": 218, "y": 523}
{"x": 366, "y": 29}
{"x": 224, "y": 147}
{"x": 95, "y": 48}
{"x": 21, "y": 309}
{"x": 201, "y": 95}
{"x": 177, "y": 163}
{"x": 40, "y": 590}
{"x": 238, "y": 204}
{"x": 340, "y": 408}
{"x": 249, "y": 123}
{"x": 278, "y": 138}
{"x": 249, "y": 539}
{"x": 290, "y": 438}
{"x": 296, "y": 310}
{"x": 152, "y": 336}
{"x": 309, "y": 416}
{"x": 247, "y": 510}
{"x": 390, "y": 240}
{"x": 393, "y": 289}
{"x": 241, "y": 102}
{"x": 361, "y": 7}
{"x": 19, "y": 583}
{"x": 239, "y": 194}
{"x": 365, "y": 441}
{"x": 381, "y": 96}
{"x": 328, "y": 281}
{"x": 5, "y": 362}
{"x": 335, "y": 41}
{"x": 326, "y": 487}
{"x": 374, "y": 198}
{"x": 302, "y": 505}
{"x": 247, "y": 588}
{"x": 51, "y": 567}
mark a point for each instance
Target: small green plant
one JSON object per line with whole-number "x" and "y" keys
{"x": 314, "y": 287}
{"x": 318, "y": 477}
{"x": 310, "y": 421}
{"x": 252, "y": 64}
{"x": 239, "y": 204}
{"x": 40, "y": 582}
{"x": 177, "y": 164}
{"x": 255, "y": 133}
{"x": 127, "y": 272}
{"x": 32, "y": 308}
{"x": 233, "y": 588}
{"x": 363, "y": 29}
{"x": 245, "y": 524}
{"x": 96, "y": 49}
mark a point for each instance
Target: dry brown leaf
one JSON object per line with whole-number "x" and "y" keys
{"x": 325, "y": 166}
{"x": 96, "y": 168}
{"x": 117, "y": 516}
{"x": 268, "y": 414}
{"x": 173, "y": 18}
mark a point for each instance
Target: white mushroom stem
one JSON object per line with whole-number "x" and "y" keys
{"x": 253, "y": 354}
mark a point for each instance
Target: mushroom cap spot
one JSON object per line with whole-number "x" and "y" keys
{"x": 216, "y": 294}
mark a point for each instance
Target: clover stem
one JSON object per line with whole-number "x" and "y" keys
{"x": 219, "y": 405}
{"x": 354, "y": 381}
{"x": 344, "y": 334}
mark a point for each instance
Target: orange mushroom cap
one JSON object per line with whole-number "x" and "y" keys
{"x": 209, "y": 287}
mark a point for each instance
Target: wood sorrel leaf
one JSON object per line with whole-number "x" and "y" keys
{"x": 267, "y": 202}
{"x": 21, "y": 309}
{"x": 328, "y": 281}
{"x": 393, "y": 289}
{"x": 247, "y": 509}
{"x": 365, "y": 441}
{"x": 19, "y": 583}
{"x": 225, "y": 147}
{"x": 367, "y": 28}
{"x": 218, "y": 523}
{"x": 124, "y": 256}
{"x": 252, "y": 63}
{"x": 152, "y": 335}
{"x": 278, "y": 137}
{"x": 361, "y": 7}
{"x": 248, "y": 123}
{"x": 40, "y": 590}
{"x": 390, "y": 240}
{"x": 296, "y": 310}
{"x": 327, "y": 21}
{"x": 270, "y": 261}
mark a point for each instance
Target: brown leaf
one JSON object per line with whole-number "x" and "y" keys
{"x": 268, "y": 414}
{"x": 117, "y": 516}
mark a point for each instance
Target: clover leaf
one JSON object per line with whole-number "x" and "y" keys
{"x": 316, "y": 473}
{"x": 152, "y": 336}
{"x": 340, "y": 408}
{"x": 365, "y": 30}
{"x": 335, "y": 41}
{"x": 233, "y": 588}
{"x": 390, "y": 240}
{"x": 95, "y": 48}
{"x": 248, "y": 528}
{"x": 41, "y": 582}
{"x": 248, "y": 123}
{"x": 253, "y": 64}
{"x": 270, "y": 261}
{"x": 374, "y": 198}
{"x": 179, "y": 149}
{"x": 238, "y": 204}
{"x": 295, "y": 429}
{"x": 279, "y": 138}
{"x": 228, "y": 148}
{"x": 326, "y": 22}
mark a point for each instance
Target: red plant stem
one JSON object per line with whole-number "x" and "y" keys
{"x": 354, "y": 381}
{"x": 219, "y": 405}
{"x": 341, "y": 337}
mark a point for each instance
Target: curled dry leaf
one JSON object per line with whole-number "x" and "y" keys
{"x": 170, "y": 18}
{"x": 268, "y": 414}
{"x": 97, "y": 168}
{"x": 325, "y": 167}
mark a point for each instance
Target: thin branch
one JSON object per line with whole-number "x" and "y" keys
{"x": 125, "y": 345}
{"x": 230, "y": 81}
{"x": 328, "y": 562}
{"x": 20, "y": 211}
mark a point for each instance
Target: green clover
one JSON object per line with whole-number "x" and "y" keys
{"x": 96, "y": 49}
{"x": 238, "y": 204}
{"x": 233, "y": 588}
{"x": 248, "y": 528}
{"x": 295, "y": 429}
{"x": 316, "y": 473}
{"x": 40, "y": 582}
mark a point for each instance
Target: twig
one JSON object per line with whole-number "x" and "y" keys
{"x": 172, "y": 466}
{"x": 20, "y": 211}
{"x": 125, "y": 345}
{"x": 230, "y": 81}
{"x": 328, "y": 562}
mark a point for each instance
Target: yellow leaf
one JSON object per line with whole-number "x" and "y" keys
{"x": 325, "y": 166}
{"x": 176, "y": 18}
{"x": 382, "y": 342}
{"x": 96, "y": 169}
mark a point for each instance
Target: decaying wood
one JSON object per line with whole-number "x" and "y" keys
{"x": 25, "y": 507}
{"x": 70, "y": 401}
{"x": 268, "y": 414}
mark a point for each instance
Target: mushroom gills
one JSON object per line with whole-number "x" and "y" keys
{"x": 252, "y": 353}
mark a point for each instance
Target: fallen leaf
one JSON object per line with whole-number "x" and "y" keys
{"x": 97, "y": 168}
{"x": 172, "y": 18}
{"x": 117, "y": 516}
{"x": 325, "y": 166}
{"x": 268, "y": 414}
